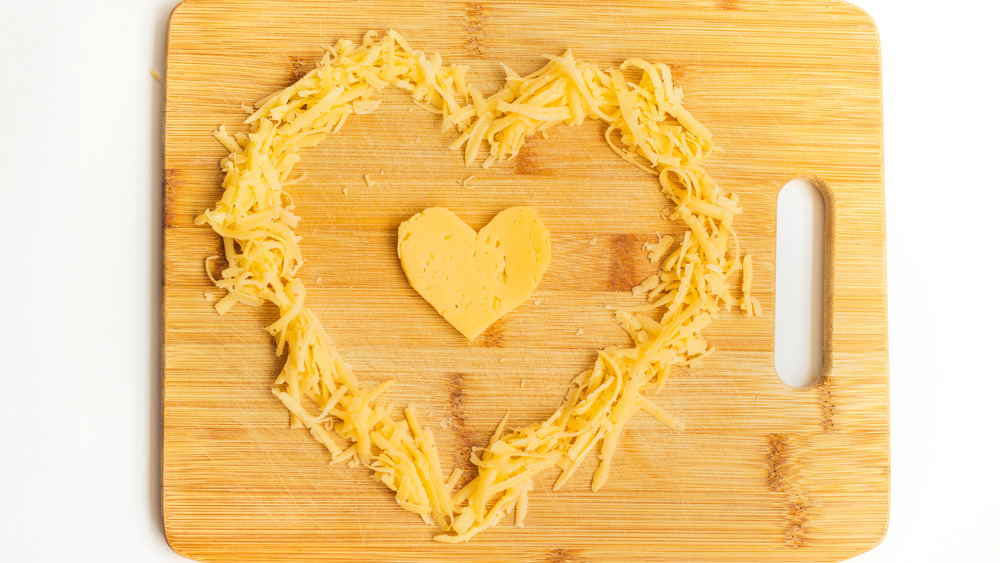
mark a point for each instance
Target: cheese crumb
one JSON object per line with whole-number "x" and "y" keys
{"x": 365, "y": 107}
{"x": 657, "y": 250}
{"x": 156, "y": 75}
{"x": 369, "y": 181}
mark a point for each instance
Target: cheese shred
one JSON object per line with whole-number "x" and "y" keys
{"x": 646, "y": 125}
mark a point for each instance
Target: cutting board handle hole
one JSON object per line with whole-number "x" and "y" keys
{"x": 799, "y": 283}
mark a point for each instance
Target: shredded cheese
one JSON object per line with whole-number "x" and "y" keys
{"x": 646, "y": 125}
{"x": 749, "y": 303}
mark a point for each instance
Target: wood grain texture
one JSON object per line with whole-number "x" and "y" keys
{"x": 789, "y": 89}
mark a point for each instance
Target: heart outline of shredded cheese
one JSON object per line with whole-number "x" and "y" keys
{"x": 647, "y": 126}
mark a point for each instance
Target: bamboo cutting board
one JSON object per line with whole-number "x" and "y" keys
{"x": 788, "y": 88}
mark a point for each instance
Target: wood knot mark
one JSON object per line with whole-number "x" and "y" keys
{"x": 299, "y": 68}
{"x": 529, "y": 162}
{"x": 562, "y": 555}
{"x": 781, "y": 479}
{"x": 493, "y": 336}
{"x": 726, "y": 5}
{"x": 677, "y": 73}
{"x": 795, "y": 520}
{"x": 777, "y": 460}
{"x": 628, "y": 267}
{"x": 456, "y": 419}
{"x": 456, "y": 387}
{"x": 826, "y": 404}
{"x": 475, "y": 29}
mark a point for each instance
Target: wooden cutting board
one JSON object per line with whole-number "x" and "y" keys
{"x": 789, "y": 89}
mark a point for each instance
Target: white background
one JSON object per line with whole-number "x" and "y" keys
{"x": 80, "y": 189}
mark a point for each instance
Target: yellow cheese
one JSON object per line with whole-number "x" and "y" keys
{"x": 646, "y": 125}
{"x": 749, "y": 303}
{"x": 474, "y": 279}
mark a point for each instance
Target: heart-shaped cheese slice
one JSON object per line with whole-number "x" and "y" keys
{"x": 474, "y": 279}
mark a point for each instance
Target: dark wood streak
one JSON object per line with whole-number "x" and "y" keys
{"x": 170, "y": 181}
{"x": 456, "y": 394}
{"x": 781, "y": 479}
{"x": 796, "y": 517}
{"x": 475, "y": 29}
{"x": 299, "y": 68}
{"x": 777, "y": 460}
{"x": 677, "y": 73}
{"x": 493, "y": 336}
{"x": 529, "y": 162}
{"x": 457, "y": 422}
{"x": 629, "y": 265}
{"x": 563, "y": 555}
{"x": 826, "y": 404}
